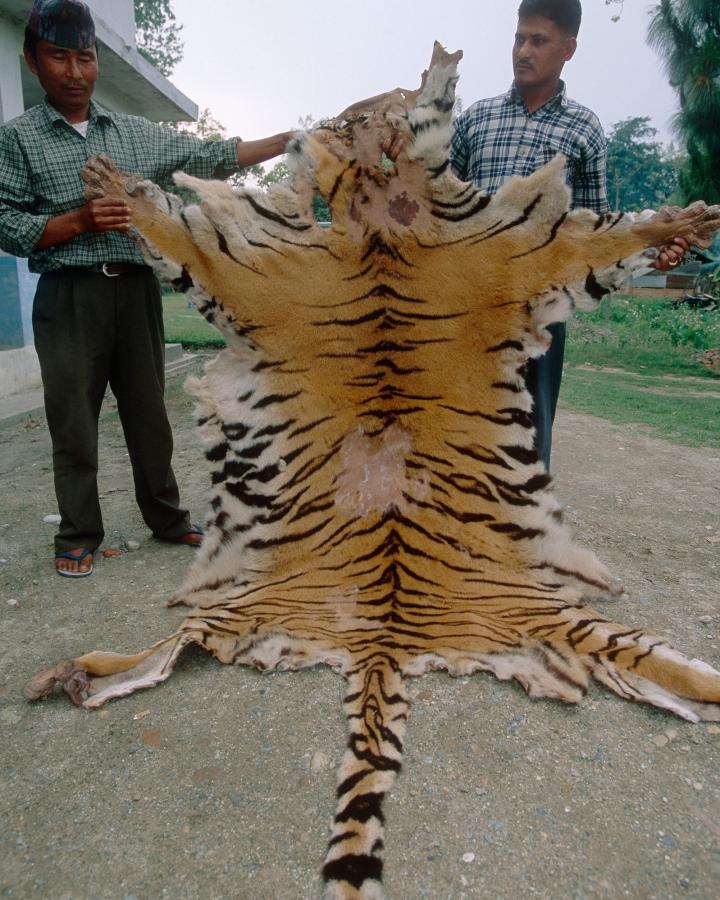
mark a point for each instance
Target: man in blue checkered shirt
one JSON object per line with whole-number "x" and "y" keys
{"x": 518, "y": 132}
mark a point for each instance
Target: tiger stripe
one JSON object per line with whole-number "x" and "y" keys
{"x": 376, "y": 502}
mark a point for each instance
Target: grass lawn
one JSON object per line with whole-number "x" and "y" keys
{"x": 184, "y": 324}
{"x": 645, "y": 336}
{"x": 631, "y": 360}
{"x": 635, "y": 360}
{"x": 684, "y": 410}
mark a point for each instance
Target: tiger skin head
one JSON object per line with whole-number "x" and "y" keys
{"x": 377, "y": 505}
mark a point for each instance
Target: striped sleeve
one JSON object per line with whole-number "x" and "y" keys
{"x": 459, "y": 150}
{"x": 204, "y": 158}
{"x": 590, "y": 177}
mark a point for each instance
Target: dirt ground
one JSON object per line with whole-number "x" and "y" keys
{"x": 220, "y": 783}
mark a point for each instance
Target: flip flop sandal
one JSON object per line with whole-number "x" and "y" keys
{"x": 76, "y": 557}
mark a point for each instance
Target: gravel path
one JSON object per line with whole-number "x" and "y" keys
{"x": 221, "y": 782}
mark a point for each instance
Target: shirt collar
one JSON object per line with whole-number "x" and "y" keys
{"x": 514, "y": 98}
{"x": 53, "y": 116}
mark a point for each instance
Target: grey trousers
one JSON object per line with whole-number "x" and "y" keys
{"x": 91, "y": 331}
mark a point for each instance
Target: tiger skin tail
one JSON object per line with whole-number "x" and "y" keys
{"x": 377, "y": 708}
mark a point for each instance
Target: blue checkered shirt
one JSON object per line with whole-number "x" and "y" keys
{"x": 40, "y": 160}
{"x": 497, "y": 138}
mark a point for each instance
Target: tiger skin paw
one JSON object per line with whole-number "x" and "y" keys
{"x": 73, "y": 680}
{"x": 696, "y": 223}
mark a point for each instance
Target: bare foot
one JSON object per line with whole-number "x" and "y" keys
{"x": 76, "y": 563}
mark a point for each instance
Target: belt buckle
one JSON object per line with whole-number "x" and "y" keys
{"x": 108, "y": 274}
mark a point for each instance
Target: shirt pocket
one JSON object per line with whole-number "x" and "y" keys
{"x": 55, "y": 168}
{"x": 124, "y": 147}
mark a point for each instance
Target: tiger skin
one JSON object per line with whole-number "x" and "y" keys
{"x": 377, "y": 505}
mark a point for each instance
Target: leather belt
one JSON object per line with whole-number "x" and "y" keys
{"x": 108, "y": 269}
{"x": 113, "y": 269}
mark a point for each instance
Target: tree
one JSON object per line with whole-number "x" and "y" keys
{"x": 687, "y": 34}
{"x": 278, "y": 173}
{"x": 157, "y": 34}
{"x": 206, "y": 127}
{"x": 618, "y": 3}
{"x": 641, "y": 174}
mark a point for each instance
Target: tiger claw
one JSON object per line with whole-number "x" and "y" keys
{"x": 71, "y": 677}
{"x": 696, "y": 223}
{"x": 103, "y": 179}
{"x": 41, "y": 685}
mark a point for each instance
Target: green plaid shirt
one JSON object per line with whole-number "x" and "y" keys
{"x": 41, "y": 155}
{"x": 497, "y": 138}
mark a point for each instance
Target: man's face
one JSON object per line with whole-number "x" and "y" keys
{"x": 540, "y": 51}
{"x": 67, "y": 76}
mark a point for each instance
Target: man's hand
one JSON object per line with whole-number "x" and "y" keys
{"x": 250, "y": 153}
{"x": 671, "y": 254}
{"x": 102, "y": 214}
{"x": 105, "y": 214}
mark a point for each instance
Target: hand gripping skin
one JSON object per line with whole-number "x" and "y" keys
{"x": 377, "y": 505}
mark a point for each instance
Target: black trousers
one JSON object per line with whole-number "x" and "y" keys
{"x": 543, "y": 381}
{"x": 91, "y": 331}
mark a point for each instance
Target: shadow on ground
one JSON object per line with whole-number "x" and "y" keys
{"x": 220, "y": 783}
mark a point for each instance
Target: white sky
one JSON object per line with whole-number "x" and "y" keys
{"x": 259, "y": 66}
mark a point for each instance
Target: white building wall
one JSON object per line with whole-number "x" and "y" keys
{"x": 11, "y": 95}
{"x": 119, "y": 15}
{"x": 19, "y": 368}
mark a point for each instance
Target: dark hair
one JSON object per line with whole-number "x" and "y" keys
{"x": 566, "y": 14}
{"x": 31, "y": 42}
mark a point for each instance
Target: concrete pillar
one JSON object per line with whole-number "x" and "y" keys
{"x": 11, "y": 94}
{"x": 19, "y": 369}
{"x": 17, "y": 289}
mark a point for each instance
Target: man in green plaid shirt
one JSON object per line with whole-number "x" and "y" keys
{"x": 97, "y": 314}
{"x": 517, "y": 133}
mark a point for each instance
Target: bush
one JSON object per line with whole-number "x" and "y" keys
{"x": 648, "y": 335}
